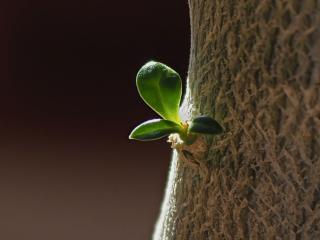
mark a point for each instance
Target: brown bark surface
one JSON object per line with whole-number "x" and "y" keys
{"x": 254, "y": 66}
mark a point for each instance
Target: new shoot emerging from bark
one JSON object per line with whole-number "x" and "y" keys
{"x": 160, "y": 87}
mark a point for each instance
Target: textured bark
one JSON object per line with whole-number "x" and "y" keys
{"x": 254, "y": 66}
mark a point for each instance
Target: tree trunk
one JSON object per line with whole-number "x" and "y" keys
{"x": 254, "y": 67}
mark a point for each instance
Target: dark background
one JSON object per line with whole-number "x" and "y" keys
{"x": 68, "y": 102}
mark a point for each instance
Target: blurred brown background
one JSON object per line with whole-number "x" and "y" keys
{"x": 67, "y": 103}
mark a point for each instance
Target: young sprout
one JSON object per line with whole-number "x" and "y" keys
{"x": 160, "y": 87}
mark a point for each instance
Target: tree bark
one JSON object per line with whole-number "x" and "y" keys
{"x": 254, "y": 67}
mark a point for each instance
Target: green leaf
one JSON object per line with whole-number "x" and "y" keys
{"x": 160, "y": 87}
{"x": 205, "y": 125}
{"x": 154, "y": 129}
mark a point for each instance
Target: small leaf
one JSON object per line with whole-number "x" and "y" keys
{"x": 205, "y": 125}
{"x": 154, "y": 129}
{"x": 160, "y": 87}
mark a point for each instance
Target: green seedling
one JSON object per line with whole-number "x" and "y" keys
{"x": 160, "y": 87}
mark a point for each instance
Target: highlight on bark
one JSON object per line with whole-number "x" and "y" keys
{"x": 161, "y": 89}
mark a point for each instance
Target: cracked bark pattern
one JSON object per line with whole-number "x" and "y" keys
{"x": 254, "y": 66}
